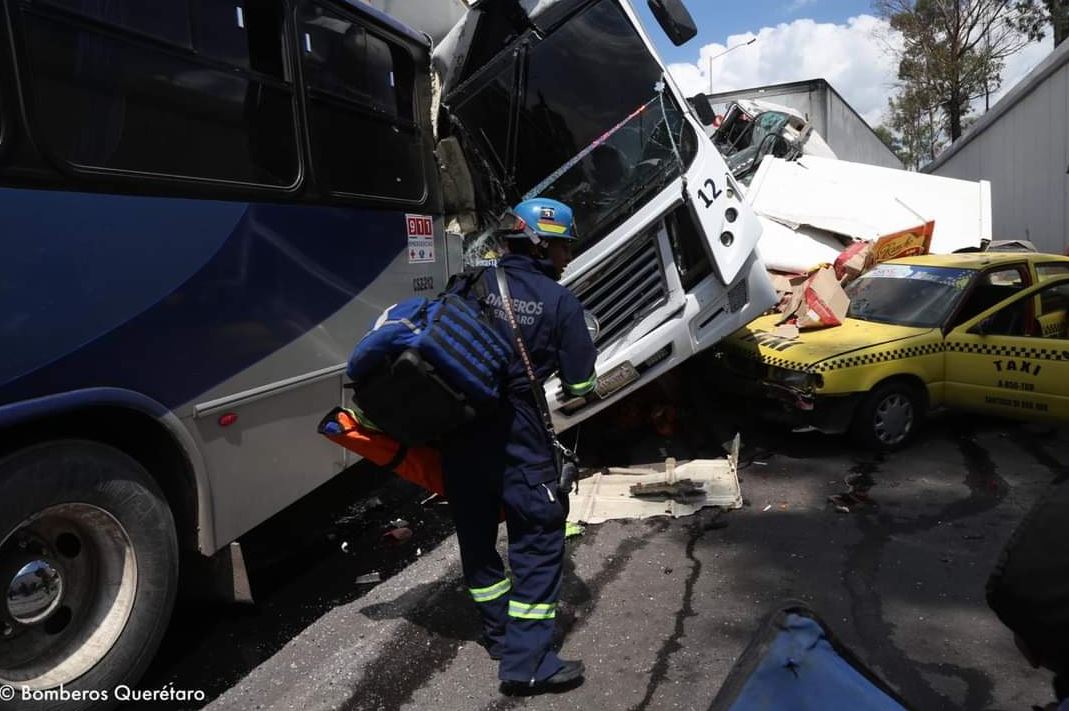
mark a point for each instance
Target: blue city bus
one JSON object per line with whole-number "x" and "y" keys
{"x": 204, "y": 204}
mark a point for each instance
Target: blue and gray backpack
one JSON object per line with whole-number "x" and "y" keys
{"x": 427, "y": 366}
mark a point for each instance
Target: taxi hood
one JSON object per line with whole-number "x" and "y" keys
{"x": 759, "y": 341}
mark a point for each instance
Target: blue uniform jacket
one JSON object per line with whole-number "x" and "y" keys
{"x": 551, "y": 319}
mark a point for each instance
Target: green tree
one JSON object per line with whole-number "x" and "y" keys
{"x": 1052, "y": 12}
{"x": 888, "y": 137}
{"x": 953, "y": 51}
{"x": 914, "y": 117}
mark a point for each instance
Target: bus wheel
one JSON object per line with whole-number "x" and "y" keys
{"x": 88, "y": 570}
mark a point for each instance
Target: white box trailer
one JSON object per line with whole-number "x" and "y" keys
{"x": 813, "y": 206}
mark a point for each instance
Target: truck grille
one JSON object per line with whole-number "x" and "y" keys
{"x": 626, "y": 289}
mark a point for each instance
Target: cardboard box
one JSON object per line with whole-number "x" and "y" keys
{"x": 854, "y": 260}
{"x": 785, "y": 330}
{"x": 822, "y": 301}
{"x": 907, "y": 243}
{"x": 786, "y": 285}
{"x": 862, "y": 256}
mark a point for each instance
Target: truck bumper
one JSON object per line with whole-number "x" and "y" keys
{"x": 705, "y": 317}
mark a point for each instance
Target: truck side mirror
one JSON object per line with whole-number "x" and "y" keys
{"x": 674, "y": 19}
{"x": 705, "y": 112}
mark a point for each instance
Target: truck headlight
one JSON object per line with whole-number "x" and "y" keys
{"x": 593, "y": 326}
{"x": 688, "y": 248}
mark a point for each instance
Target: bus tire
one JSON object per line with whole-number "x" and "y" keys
{"x": 889, "y": 416}
{"x": 88, "y": 572}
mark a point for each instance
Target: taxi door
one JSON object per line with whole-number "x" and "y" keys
{"x": 1005, "y": 362}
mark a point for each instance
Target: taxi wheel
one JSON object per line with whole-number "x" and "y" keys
{"x": 888, "y": 416}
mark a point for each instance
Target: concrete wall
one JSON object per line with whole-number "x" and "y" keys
{"x": 1022, "y": 147}
{"x": 844, "y": 130}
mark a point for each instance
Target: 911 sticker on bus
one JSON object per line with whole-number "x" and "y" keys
{"x": 420, "y": 239}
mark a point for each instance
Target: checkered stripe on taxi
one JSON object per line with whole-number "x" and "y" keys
{"x": 755, "y": 356}
{"x": 1010, "y": 351}
{"x": 854, "y": 361}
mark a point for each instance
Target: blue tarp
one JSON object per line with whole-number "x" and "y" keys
{"x": 802, "y": 671}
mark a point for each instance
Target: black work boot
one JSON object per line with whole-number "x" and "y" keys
{"x": 567, "y": 677}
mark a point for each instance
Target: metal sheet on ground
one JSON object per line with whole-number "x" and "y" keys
{"x": 608, "y": 495}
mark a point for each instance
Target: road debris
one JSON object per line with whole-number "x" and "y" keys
{"x": 608, "y": 493}
{"x": 359, "y": 510}
{"x": 369, "y": 578}
{"x": 398, "y": 535}
{"x": 856, "y": 496}
{"x": 681, "y": 490}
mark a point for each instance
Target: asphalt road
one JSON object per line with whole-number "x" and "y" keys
{"x": 660, "y": 610}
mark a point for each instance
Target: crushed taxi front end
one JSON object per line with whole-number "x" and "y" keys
{"x": 816, "y": 378}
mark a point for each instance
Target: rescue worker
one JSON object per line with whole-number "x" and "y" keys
{"x": 506, "y": 460}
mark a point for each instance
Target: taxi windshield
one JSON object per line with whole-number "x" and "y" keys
{"x": 907, "y": 295}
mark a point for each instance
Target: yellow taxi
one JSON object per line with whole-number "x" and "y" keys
{"x": 982, "y": 331}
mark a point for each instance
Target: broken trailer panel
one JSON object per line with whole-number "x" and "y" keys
{"x": 814, "y": 207}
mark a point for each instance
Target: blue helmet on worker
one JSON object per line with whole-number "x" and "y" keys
{"x": 539, "y": 219}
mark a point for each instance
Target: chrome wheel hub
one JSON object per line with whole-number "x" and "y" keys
{"x": 69, "y": 575}
{"x": 35, "y": 593}
{"x": 893, "y": 419}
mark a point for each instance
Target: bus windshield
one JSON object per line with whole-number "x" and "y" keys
{"x": 580, "y": 116}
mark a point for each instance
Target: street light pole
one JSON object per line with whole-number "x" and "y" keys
{"x": 717, "y": 56}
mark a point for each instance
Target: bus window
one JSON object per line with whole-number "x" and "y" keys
{"x": 251, "y": 39}
{"x": 164, "y": 20}
{"x": 361, "y": 91}
{"x": 118, "y": 102}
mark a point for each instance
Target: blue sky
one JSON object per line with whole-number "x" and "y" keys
{"x": 717, "y": 19}
{"x": 841, "y": 41}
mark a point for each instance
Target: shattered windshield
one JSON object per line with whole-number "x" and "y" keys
{"x": 579, "y": 116}
{"x": 907, "y": 295}
{"x": 745, "y": 150}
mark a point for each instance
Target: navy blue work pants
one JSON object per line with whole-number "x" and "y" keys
{"x": 482, "y": 476}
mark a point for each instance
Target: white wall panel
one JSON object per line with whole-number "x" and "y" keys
{"x": 1023, "y": 149}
